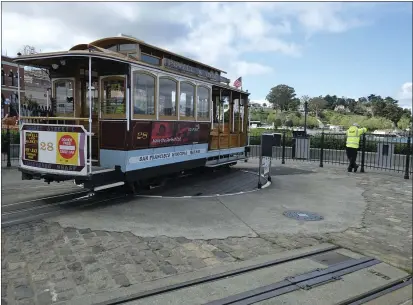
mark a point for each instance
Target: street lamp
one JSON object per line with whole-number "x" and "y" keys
{"x": 305, "y": 116}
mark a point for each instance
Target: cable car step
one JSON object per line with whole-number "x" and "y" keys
{"x": 107, "y": 186}
{"x": 101, "y": 170}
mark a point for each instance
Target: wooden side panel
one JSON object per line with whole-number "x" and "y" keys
{"x": 213, "y": 144}
{"x": 140, "y": 134}
{"x": 204, "y": 131}
{"x": 234, "y": 140}
{"x": 226, "y": 128}
{"x": 224, "y": 141}
{"x": 243, "y": 139}
{"x": 113, "y": 135}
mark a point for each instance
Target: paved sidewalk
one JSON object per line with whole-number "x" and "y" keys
{"x": 385, "y": 231}
{"x": 103, "y": 249}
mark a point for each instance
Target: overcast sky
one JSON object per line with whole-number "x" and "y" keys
{"x": 347, "y": 49}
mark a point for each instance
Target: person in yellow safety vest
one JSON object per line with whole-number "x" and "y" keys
{"x": 352, "y": 145}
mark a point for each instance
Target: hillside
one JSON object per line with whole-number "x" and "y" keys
{"x": 283, "y": 108}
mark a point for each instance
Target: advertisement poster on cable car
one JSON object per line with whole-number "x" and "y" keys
{"x": 176, "y": 133}
{"x": 59, "y": 149}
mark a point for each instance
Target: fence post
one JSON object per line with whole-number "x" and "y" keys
{"x": 363, "y": 152}
{"x": 322, "y": 149}
{"x": 283, "y": 149}
{"x": 407, "y": 163}
{"x": 8, "y": 147}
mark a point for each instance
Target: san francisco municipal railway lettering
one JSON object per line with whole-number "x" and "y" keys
{"x": 168, "y": 155}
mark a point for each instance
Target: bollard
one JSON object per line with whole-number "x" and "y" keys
{"x": 8, "y": 137}
{"x": 407, "y": 163}
{"x": 283, "y": 149}
{"x": 322, "y": 149}
{"x": 363, "y": 152}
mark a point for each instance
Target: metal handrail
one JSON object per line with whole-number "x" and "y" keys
{"x": 60, "y": 118}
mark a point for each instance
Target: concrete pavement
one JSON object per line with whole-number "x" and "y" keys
{"x": 99, "y": 250}
{"x": 336, "y": 198}
{"x": 14, "y": 189}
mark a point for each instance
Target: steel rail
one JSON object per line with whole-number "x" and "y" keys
{"x": 19, "y": 216}
{"x": 378, "y": 292}
{"x": 53, "y": 198}
{"x": 305, "y": 281}
{"x": 215, "y": 277}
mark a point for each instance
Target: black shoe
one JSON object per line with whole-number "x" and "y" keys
{"x": 349, "y": 170}
{"x": 355, "y": 169}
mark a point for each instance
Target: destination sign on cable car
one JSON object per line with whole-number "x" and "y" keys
{"x": 61, "y": 150}
{"x": 174, "y": 65}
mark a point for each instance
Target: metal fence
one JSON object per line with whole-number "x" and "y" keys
{"x": 10, "y": 145}
{"x": 378, "y": 152}
{"x": 384, "y": 153}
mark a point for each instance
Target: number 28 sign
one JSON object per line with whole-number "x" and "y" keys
{"x": 57, "y": 149}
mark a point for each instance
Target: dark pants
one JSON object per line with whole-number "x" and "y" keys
{"x": 352, "y": 157}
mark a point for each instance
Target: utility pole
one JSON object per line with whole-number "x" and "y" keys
{"x": 305, "y": 116}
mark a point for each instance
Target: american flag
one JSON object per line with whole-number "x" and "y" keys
{"x": 238, "y": 82}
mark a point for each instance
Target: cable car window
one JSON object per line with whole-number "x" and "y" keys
{"x": 63, "y": 91}
{"x": 113, "y": 48}
{"x": 95, "y": 99}
{"x": 203, "y": 103}
{"x": 134, "y": 56}
{"x": 143, "y": 94}
{"x": 113, "y": 97}
{"x": 127, "y": 47}
{"x": 167, "y": 96}
{"x": 150, "y": 59}
{"x": 187, "y": 100}
{"x": 241, "y": 113}
{"x": 236, "y": 125}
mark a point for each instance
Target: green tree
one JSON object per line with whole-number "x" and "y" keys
{"x": 331, "y": 101}
{"x": 283, "y": 97}
{"x": 316, "y": 104}
{"x": 405, "y": 122}
{"x": 277, "y": 123}
{"x": 289, "y": 123}
{"x": 393, "y": 113}
{"x": 351, "y": 104}
{"x": 377, "y": 105}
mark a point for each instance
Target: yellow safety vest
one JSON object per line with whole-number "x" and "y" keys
{"x": 353, "y": 136}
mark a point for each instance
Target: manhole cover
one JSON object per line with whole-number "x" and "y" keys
{"x": 300, "y": 215}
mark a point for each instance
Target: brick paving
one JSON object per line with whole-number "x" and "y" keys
{"x": 385, "y": 231}
{"x": 44, "y": 263}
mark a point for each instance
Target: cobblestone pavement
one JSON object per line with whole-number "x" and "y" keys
{"x": 44, "y": 263}
{"x": 386, "y": 228}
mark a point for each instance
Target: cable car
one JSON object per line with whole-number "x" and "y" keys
{"x": 122, "y": 112}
